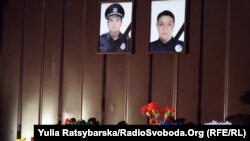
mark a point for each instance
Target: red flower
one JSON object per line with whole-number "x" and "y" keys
{"x": 144, "y": 109}
{"x": 152, "y": 106}
{"x": 67, "y": 121}
{"x": 169, "y": 109}
{"x": 152, "y": 121}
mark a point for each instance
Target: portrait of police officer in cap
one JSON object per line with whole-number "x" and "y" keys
{"x": 114, "y": 40}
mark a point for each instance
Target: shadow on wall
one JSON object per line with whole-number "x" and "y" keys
{"x": 241, "y": 118}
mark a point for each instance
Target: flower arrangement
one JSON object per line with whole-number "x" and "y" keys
{"x": 73, "y": 121}
{"x": 159, "y": 116}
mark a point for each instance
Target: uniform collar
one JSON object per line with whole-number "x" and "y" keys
{"x": 109, "y": 36}
{"x": 165, "y": 44}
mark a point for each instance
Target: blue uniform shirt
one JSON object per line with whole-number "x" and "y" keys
{"x": 107, "y": 44}
{"x": 170, "y": 46}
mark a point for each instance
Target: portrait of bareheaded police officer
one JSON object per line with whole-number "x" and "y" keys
{"x": 166, "y": 42}
{"x": 167, "y": 27}
{"x": 114, "y": 40}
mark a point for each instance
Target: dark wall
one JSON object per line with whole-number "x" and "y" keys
{"x": 50, "y": 70}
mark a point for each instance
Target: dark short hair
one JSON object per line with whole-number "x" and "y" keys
{"x": 166, "y": 13}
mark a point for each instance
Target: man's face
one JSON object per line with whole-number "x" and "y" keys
{"x": 165, "y": 26}
{"x": 114, "y": 23}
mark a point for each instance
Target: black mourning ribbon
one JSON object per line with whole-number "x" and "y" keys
{"x": 124, "y": 36}
{"x": 177, "y": 36}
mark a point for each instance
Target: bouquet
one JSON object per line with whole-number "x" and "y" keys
{"x": 158, "y": 115}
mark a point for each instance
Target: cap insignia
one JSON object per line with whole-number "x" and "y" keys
{"x": 115, "y": 10}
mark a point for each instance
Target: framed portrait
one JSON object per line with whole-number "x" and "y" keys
{"x": 167, "y": 26}
{"x": 115, "y": 33}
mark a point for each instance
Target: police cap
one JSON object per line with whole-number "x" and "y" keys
{"x": 114, "y": 9}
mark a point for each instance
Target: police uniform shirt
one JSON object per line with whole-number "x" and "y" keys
{"x": 107, "y": 44}
{"x": 170, "y": 46}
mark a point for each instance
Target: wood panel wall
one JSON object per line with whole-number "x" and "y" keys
{"x": 50, "y": 70}
{"x": 238, "y": 68}
{"x": 11, "y": 64}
